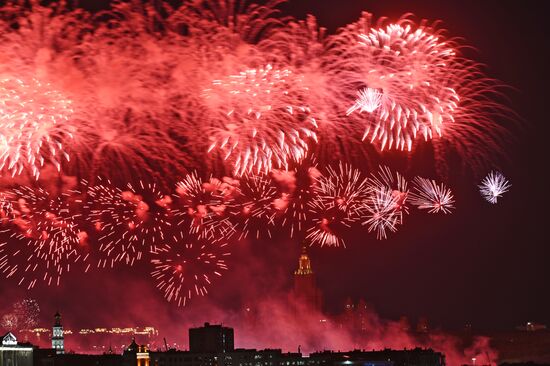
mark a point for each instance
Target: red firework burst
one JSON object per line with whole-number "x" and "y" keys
{"x": 297, "y": 187}
{"x": 380, "y": 212}
{"x": 396, "y": 184}
{"x": 48, "y": 239}
{"x": 406, "y": 82}
{"x": 130, "y": 221}
{"x": 187, "y": 266}
{"x": 34, "y": 123}
{"x": 203, "y": 206}
{"x": 339, "y": 199}
{"x": 255, "y": 206}
{"x": 431, "y": 196}
{"x": 258, "y": 120}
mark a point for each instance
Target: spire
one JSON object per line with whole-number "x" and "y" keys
{"x": 304, "y": 264}
{"x": 57, "y": 317}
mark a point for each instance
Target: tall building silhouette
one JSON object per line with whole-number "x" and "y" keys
{"x": 57, "y": 335}
{"x": 305, "y": 289}
{"x": 211, "y": 339}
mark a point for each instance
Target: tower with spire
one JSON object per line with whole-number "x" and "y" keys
{"x": 305, "y": 288}
{"x": 57, "y": 335}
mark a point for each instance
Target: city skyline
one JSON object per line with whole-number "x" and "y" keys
{"x": 302, "y": 306}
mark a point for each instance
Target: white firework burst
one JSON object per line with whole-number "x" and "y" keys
{"x": 428, "y": 195}
{"x": 494, "y": 186}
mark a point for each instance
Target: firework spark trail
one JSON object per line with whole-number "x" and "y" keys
{"x": 6, "y": 207}
{"x": 327, "y": 224}
{"x": 395, "y": 183}
{"x": 130, "y": 221}
{"x": 9, "y": 322}
{"x": 380, "y": 212}
{"x": 204, "y": 205}
{"x": 296, "y": 212}
{"x": 297, "y": 190}
{"x": 255, "y": 206}
{"x": 494, "y": 186}
{"x": 45, "y": 235}
{"x": 406, "y": 83}
{"x": 343, "y": 188}
{"x": 368, "y": 100}
{"x": 27, "y": 312}
{"x": 338, "y": 202}
{"x": 9, "y": 255}
{"x": 34, "y": 123}
{"x": 249, "y": 21}
{"x": 407, "y": 91}
{"x": 429, "y": 195}
{"x": 186, "y": 267}
{"x": 304, "y": 45}
{"x": 257, "y": 120}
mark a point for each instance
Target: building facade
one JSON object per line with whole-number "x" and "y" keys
{"x": 13, "y": 353}
{"x": 58, "y": 340}
{"x": 305, "y": 290}
{"x": 136, "y": 355}
{"x": 211, "y": 339}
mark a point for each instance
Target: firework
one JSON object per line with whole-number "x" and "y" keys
{"x": 247, "y": 20}
{"x": 6, "y": 207}
{"x": 257, "y": 119}
{"x": 9, "y": 322}
{"x": 327, "y": 224}
{"x": 406, "y": 82}
{"x": 45, "y": 236}
{"x": 34, "y": 122}
{"x": 27, "y": 312}
{"x": 338, "y": 201}
{"x": 396, "y": 184}
{"x": 255, "y": 206}
{"x": 380, "y": 212}
{"x": 407, "y": 90}
{"x": 302, "y": 45}
{"x": 368, "y": 100}
{"x": 125, "y": 130}
{"x": 297, "y": 187}
{"x": 494, "y": 186}
{"x": 187, "y": 267}
{"x": 147, "y": 91}
{"x": 428, "y": 195}
{"x": 203, "y": 205}
{"x": 8, "y": 256}
{"x": 130, "y": 221}
{"x": 344, "y": 189}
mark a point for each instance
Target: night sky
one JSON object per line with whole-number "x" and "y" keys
{"x": 485, "y": 264}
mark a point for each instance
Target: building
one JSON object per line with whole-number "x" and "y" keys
{"x": 13, "y": 353}
{"x": 275, "y": 357}
{"x": 211, "y": 339}
{"x": 387, "y": 357}
{"x": 136, "y": 355}
{"x": 73, "y": 359}
{"x": 305, "y": 289}
{"x": 212, "y": 345}
{"x": 238, "y": 357}
{"x": 58, "y": 342}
